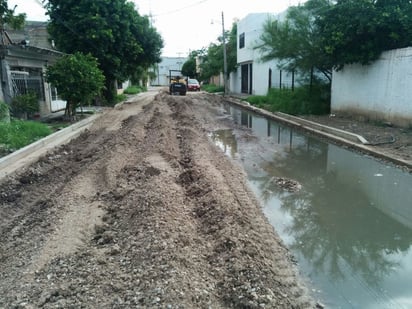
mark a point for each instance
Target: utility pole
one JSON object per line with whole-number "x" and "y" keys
{"x": 224, "y": 57}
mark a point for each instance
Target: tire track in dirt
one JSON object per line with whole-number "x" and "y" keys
{"x": 176, "y": 226}
{"x": 56, "y": 208}
{"x": 221, "y": 220}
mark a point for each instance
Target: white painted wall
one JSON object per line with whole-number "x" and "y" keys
{"x": 252, "y": 27}
{"x": 381, "y": 91}
{"x": 162, "y": 70}
{"x": 234, "y": 81}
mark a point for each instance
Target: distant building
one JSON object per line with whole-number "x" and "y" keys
{"x": 162, "y": 70}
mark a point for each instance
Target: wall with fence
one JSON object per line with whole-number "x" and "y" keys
{"x": 381, "y": 91}
{"x": 281, "y": 79}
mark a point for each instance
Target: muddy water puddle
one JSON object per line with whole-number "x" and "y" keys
{"x": 348, "y": 223}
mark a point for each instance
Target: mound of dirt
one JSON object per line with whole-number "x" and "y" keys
{"x": 142, "y": 211}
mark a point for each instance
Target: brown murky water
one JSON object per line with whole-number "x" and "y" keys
{"x": 350, "y": 224}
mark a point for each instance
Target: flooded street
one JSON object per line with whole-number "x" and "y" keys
{"x": 350, "y": 223}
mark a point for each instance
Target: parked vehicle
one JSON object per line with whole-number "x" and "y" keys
{"x": 177, "y": 88}
{"x": 177, "y": 83}
{"x": 193, "y": 85}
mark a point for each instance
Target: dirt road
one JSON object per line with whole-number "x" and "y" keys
{"x": 142, "y": 211}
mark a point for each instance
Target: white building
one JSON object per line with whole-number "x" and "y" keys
{"x": 254, "y": 76}
{"x": 381, "y": 91}
{"x": 162, "y": 70}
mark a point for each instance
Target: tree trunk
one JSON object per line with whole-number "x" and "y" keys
{"x": 70, "y": 111}
{"x": 110, "y": 91}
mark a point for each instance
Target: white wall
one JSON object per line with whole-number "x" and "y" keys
{"x": 381, "y": 91}
{"x": 162, "y": 69}
{"x": 252, "y": 27}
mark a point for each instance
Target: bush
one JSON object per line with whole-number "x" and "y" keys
{"x": 212, "y": 88}
{"x": 120, "y": 98}
{"x": 4, "y": 112}
{"x": 302, "y": 101}
{"x": 24, "y": 105}
{"x": 134, "y": 89}
{"x": 18, "y": 133}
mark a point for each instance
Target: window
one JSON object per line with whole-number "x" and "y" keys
{"x": 54, "y": 95}
{"x": 242, "y": 40}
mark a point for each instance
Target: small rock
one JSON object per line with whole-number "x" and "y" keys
{"x": 115, "y": 250}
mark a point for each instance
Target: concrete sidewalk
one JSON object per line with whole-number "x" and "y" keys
{"x": 27, "y": 155}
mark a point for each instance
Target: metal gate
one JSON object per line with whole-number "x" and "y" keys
{"x": 23, "y": 83}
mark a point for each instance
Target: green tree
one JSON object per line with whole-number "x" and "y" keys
{"x": 7, "y": 16}
{"x": 111, "y": 30}
{"x": 358, "y": 31}
{"x": 78, "y": 79}
{"x": 212, "y": 61}
{"x": 189, "y": 67}
{"x": 296, "y": 41}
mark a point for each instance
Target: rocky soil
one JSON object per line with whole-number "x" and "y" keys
{"x": 142, "y": 211}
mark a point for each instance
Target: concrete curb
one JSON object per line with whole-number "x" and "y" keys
{"x": 351, "y": 140}
{"x": 341, "y": 133}
{"x": 30, "y": 153}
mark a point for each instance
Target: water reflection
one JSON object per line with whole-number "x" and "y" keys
{"x": 349, "y": 226}
{"x": 226, "y": 141}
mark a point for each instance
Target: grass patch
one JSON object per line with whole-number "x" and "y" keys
{"x": 19, "y": 133}
{"x": 212, "y": 88}
{"x": 134, "y": 89}
{"x": 58, "y": 125}
{"x": 121, "y": 97}
{"x": 301, "y": 101}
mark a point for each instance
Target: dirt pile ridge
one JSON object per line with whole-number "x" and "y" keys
{"x": 142, "y": 211}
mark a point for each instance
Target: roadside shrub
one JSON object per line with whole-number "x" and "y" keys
{"x": 4, "y": 112}
{"x": 212, "y": 88}
{"x": 120, "y": 98}
{"x": 24, "y": 105}
{"x": 302, "y": 101}
{"x": 134, "y": 89}
{"x": 19, "y": 133}
{"x": 260, "y": 101}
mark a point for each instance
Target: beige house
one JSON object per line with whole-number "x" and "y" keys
{"x": 25, "y": 55}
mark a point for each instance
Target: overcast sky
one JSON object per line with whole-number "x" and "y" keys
{"x": 185, "y": 25}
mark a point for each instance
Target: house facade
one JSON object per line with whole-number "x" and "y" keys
{"x": 25, "y": 55}
{"x": 254, "y": 76}
{"x": 162, "y": 70}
